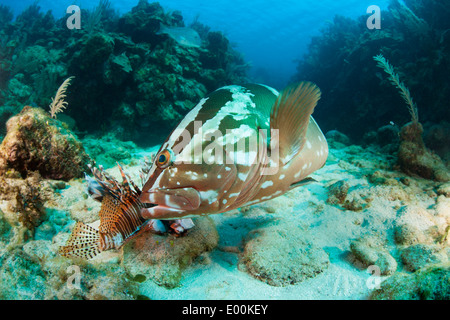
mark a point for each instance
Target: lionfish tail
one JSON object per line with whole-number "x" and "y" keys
{"x": 84, "y": 242}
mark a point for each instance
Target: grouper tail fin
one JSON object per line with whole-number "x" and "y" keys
{"x": 290, "y": 116}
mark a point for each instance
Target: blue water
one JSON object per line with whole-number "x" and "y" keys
{"x": 271, "y": 34}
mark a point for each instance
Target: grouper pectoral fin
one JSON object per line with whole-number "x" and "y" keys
{"x": 290, "y": 116}
{"x": 302, "y": 183}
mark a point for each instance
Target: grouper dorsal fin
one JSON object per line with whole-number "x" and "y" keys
{"x": 290, "y": 115}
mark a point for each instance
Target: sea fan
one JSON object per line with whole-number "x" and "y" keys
{"x": 395, "y": 80}
{"x": 58, "y": 103}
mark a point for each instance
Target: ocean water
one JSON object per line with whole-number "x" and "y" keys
{"x": 272, "y": 35}
{"x": 328, "y": 176}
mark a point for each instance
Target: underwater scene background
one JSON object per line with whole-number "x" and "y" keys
{"x": 374, "y": 223}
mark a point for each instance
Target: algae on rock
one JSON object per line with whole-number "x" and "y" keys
{"x": 35, "y": 142}
{"x": 163, "y": 258}
{"x": 293, "y": 259}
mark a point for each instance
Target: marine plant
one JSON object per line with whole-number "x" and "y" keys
{"x": 6, "y": 14}
{"x": 415, "y": 39}
{"x": 58, "y": 103}
{"x": 395, "y": 80}
{"x": 95, "y": 16}
{"x": 413, "y": 156}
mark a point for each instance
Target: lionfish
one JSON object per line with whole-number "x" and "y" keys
{"x": 120, "y": 218}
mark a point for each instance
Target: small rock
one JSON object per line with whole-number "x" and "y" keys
{"x": 444, "y": 189}
{"x": 420, "y": 255}
{"x": 39, "y": 250}
{"x": 371, "y": 252}
{"x": 414, "y": 225}
{"x": 336, "y": 138}
{"x": 282, "y": 256}
{"x": 415, "y": 159}
{"x": 387, "y": 135}
{"x": 337, "y": 192}
{"x": 443, "y": 211}
{"x": 163, "y": 258}
{"x": 432, "y": 283}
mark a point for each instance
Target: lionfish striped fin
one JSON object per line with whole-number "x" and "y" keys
{"x": 120, "y": 216}
{"x": 83, "y": 242}
{"x": 125, "y": 183}
{"x": 94, "y": 189}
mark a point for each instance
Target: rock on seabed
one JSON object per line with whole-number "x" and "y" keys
{"x": 163, "y": 258}
{"x": 282, "y": 257}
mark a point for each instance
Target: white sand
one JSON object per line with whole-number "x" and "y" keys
{"x": 332, "y": 227}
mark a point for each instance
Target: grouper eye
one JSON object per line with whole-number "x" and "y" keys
{"x": 164, "y": 159}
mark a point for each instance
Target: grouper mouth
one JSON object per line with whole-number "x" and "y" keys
{"x": 168, "y": 203}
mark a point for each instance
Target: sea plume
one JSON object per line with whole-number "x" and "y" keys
{"x": 395, "y": 80}
{"x": 413, "y": 156}
{"x": 58, "y": 103}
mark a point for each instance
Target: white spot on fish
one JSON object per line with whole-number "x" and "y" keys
{"x": 242, "y": 176}
{"x": 266, "y": 184}
{"x": 224, "y": 201}
{"x": 210, "y": 195}
{"x": 219, "y": 176}
{"x": 308, "y": 144}
{"x": 282, "y": 177}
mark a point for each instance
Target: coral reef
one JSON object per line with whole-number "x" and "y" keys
{"x": 150, "y": 81}
{"x": 339, "y": 60}
{"x": 35, "y": 142}
{"x": 132, "y": 83}
{"x": 22, "y": 205}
